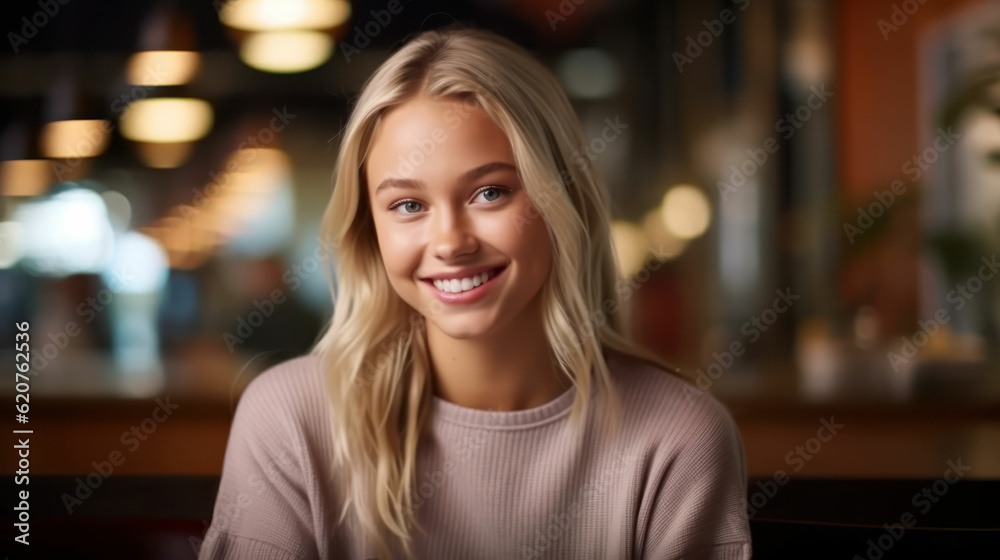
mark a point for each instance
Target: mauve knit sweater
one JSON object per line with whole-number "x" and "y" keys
{"x": 495, "y": 485}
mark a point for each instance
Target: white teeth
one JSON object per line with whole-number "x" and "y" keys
{"x": 457, "y": 285}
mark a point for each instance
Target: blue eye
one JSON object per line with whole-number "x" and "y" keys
{"x": 404, "y": 203}
{"x": 500, "y": 192}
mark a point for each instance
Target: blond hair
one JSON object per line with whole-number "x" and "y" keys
{"x": 374, "y": 350}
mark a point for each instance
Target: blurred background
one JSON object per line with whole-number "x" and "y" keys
{"x": 806, "y": 197}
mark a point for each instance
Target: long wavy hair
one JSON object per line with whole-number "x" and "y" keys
{"x": 374, "y": 350}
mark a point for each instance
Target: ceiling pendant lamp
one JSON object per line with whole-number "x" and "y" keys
{"x": 285, "y": 36}
{"x": 162, "y": 116}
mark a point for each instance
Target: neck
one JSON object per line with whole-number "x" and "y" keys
{"x": 510, "y": 369}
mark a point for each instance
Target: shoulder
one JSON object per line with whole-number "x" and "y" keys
{"x": 285, "y": 396}
{"x": 670, "y": 410}
{"x": 691, "y": 465}
{"x": 288, "y": 382}
{"x": 272, "y": 481}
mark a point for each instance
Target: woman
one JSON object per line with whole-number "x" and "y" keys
{"x": 475, "y": 395}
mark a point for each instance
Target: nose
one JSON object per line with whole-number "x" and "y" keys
{"x": 452, "y": 236}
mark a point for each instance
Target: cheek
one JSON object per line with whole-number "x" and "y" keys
{"x": 528, "y": 236}
{"x": 400, "y": 248}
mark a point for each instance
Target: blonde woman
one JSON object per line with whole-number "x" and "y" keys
{"x": 475, "y": 394}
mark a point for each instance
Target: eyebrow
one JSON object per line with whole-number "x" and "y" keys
{"x": 471, "y": 175}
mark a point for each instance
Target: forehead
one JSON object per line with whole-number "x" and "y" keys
{"x": 434, "y": 135}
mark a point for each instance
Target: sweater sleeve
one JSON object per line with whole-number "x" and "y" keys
{"x": 698, "y": 510}
{"x": 262, "y": 509}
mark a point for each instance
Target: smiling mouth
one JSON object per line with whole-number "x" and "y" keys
{"x": 457, "y": 286}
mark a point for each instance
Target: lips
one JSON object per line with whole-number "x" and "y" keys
{"x": 472, "y": 293}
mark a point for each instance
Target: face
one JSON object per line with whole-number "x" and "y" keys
{"x": 449, "y": 209}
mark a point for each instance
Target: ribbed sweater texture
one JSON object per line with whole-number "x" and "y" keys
{"x": 490, "y": 485}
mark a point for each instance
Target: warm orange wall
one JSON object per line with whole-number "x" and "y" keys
{"x": 877, "y": 80}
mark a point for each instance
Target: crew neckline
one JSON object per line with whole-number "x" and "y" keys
{"x": 551, "y": 411}
{"x": 505, "y": 420}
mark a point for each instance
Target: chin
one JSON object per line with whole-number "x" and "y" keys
{"x": 465, "y": 328}
{"x": 462, "y": 335}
